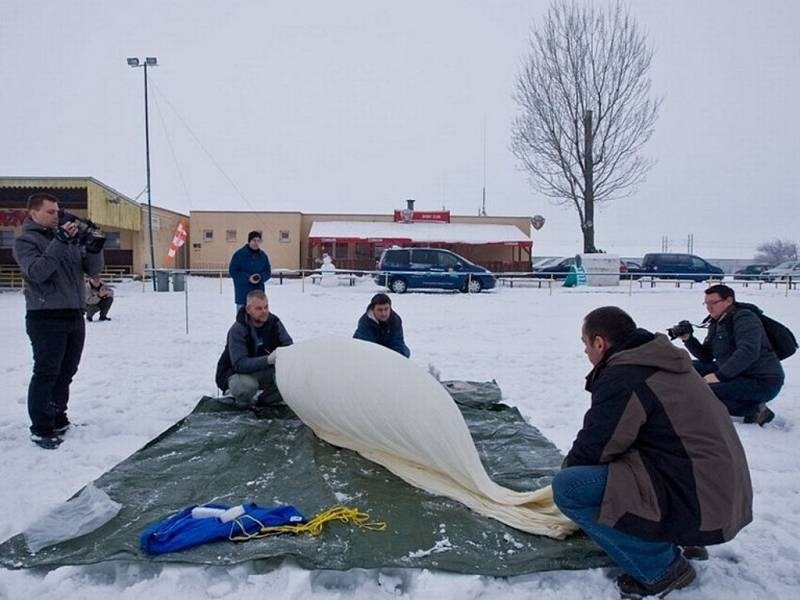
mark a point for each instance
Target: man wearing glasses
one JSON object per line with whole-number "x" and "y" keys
{"x": 736, "y": 358}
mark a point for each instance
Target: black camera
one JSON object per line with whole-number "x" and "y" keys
{"x": 682, "y": 328}
{"x": 89, "y": 235}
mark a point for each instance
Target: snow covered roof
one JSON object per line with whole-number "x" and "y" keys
{"x": 447, "y": 233}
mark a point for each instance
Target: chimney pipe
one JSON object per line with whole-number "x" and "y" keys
{"x": 410, "y": 203}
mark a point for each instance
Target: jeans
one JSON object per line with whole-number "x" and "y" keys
{"x": 578, "y": 493}
{"x": 102, "y": 307}
{"x": 244, "y": 386}
{"x": 57, "y": 346}
{"x": 741, "y": 395}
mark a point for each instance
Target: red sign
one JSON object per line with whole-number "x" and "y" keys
{"x": 12, "y": 218}
{"x": 406, "y": 216}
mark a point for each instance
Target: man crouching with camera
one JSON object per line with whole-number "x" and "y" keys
{"x": 736, "y": 358}
{"x": 53, "y": 255}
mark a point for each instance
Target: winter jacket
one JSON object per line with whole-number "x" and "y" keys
{"x": 740, "y": 347}
{"x": 95, "y": 294}
{"x": 388, "y": 333}
{"x": 247, "y": 347}
{"x": 677, "y": 470}
{"x": 53, "y": 270}
{"x": 244, "y": 263}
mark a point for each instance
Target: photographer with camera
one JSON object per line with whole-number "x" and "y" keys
{"x": 249, "y": 268}
{"x": 53, "y": 255}
{"x": 736, "y": 358}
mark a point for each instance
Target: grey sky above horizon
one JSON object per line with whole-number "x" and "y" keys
{"x": 356, "y": 106}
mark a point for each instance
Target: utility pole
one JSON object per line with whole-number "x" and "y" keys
{"x": 152, "y": 62}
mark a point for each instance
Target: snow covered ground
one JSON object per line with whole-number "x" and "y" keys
{"x": 141, "y": 372}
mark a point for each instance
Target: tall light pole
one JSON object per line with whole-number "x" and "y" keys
{"x": 150, "y": 61}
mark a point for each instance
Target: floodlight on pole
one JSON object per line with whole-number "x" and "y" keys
{"x": 150, "y": 61}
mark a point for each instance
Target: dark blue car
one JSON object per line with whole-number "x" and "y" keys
{"x": 402, "y": 269}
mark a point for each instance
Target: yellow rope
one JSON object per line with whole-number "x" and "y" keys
{"x": 343, "y": 514}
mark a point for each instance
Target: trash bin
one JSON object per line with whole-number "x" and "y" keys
{"x": 162, "y": 280}
{"x": 178, "y": 281}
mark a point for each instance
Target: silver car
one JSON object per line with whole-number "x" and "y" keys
{"x": 784, "y": 271}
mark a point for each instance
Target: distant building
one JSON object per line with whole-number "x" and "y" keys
{"x": 123, "y": 220}
{"x": 296, "y": 240}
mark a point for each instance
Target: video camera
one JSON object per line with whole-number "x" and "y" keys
{"x": 89, "y": 235}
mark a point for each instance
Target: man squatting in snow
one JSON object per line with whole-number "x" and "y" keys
{"x": 381, "y": 325}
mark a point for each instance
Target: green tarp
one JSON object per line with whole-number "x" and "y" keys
{"x": 228, "y": 455}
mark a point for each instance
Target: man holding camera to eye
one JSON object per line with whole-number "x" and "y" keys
{"x": 736, "y": 359}
{"x": 53, "y": 254}
{"x": 249, "y": 268}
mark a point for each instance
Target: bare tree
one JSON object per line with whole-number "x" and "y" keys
{"x": 776, "y": 251}
{"x": 585, "y": 108}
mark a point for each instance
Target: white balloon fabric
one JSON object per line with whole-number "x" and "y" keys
{"x": 391, "y": 411}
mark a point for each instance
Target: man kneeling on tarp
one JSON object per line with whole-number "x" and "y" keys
{"x": 657, "y": 462}
{"x": 245, "y": 368}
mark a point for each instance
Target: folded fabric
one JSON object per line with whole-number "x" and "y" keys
{"x": 182, "y": 530}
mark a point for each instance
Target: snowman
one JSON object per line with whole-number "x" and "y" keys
{"x": 328, "y": 272}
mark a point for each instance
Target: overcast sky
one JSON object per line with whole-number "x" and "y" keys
{"x": 354, "y": 106}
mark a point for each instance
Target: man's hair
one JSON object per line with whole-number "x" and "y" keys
{"x": 255, "y": 294}
{"x": 610, "y": 323}
{"x": 379, "y": 299}
{"x": 723, "y": 291}
{"x": 36, "y": 200}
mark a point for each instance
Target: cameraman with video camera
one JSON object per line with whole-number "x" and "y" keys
{"x": 736, "y": 358}
{"x": 54, "y": 251}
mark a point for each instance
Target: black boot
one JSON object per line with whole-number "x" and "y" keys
{"x": 679, "y": 575}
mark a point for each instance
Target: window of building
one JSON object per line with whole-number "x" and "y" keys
{"x": 230, "y": 235}
{"x": 112, "y": 240}
{"x": 6, "y": 238}
{"x": 283, "y": 236}
{"x": 208, "y": 235}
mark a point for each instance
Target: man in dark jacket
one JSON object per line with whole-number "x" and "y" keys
{"x": 657, "y": 462}
{"x": 736, "y": 359}
{"x": 53, "y": 264}
{"x": 381, "y": 325}
{"x": 246, "y": 364}
{"x": 249, "y": 268}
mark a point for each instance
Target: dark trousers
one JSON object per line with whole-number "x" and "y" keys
{"x": 103, "y": 306}
{"x": 57, "y": 347}
{"x": 741, "y": 395}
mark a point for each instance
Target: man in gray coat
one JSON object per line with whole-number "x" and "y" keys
{"x": 53, "y": 264}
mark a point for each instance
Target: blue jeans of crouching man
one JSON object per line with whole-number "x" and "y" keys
{"x": 741, "y": 395}
{"x": 578, "y": 493}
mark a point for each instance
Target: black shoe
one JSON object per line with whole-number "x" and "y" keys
{"x": 678, "y": 576}
{"x": 694, "y": 552}
{"x": 89, "y": 318}
{"x": 62, "y": 429}
{"x": 761, "y": 417}
{"x": 48, "y": 442}
{"x": 104, "y": 319}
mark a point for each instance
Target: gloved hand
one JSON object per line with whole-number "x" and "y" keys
{"x": 63, "y": 234}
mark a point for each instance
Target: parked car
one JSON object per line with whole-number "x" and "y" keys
{"x": 784, "y": 271}
{"x": 673, "y": 265}
{"x": 558, "y": 268}
{"x": 751, "y": 272}
{"x": 633, "y": 270}
{"x": 402, "y": 269}
{"x": 553, "y": 268}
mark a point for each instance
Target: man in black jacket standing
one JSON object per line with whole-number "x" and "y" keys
{"x": 736, "y": 359}
{"x": 53, "y": 264}
{"x": 657, "y": 463}
{"x": 245, "y": 366}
